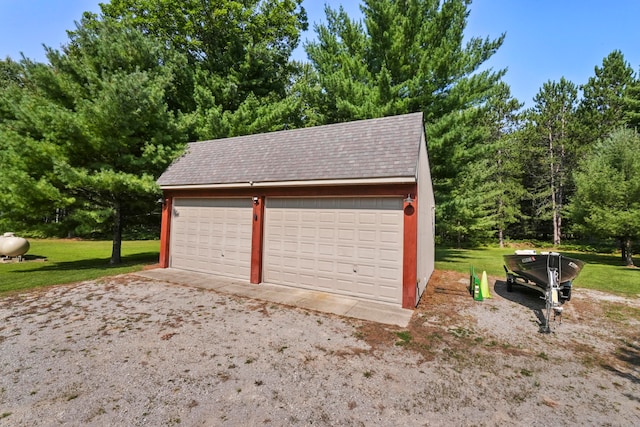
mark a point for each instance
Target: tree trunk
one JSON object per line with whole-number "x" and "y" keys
{"x": 628, "y": 255}
{"x": 116, "y": 249}
{"x": 555, "y": 209}
{"x": 501, "y": 238}
{"x": 557, "y": 226}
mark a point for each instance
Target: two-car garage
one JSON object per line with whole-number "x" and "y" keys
{"x": 349, "y": 246}
{"x": 344, "y": 208}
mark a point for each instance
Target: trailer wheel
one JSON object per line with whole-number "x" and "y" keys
{"x": 565, "y": 291}
{"x": 510, "y": 283}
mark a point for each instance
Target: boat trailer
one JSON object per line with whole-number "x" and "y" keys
{"x": 553, "y": 292}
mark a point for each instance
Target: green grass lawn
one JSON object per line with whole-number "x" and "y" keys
{"x": 603, "y": 272}
{"x": 71, "y": 261}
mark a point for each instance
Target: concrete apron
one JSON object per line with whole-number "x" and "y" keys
{"x": 303, "y": 298}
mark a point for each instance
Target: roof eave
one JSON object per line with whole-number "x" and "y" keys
{"x": 299, "y": 183}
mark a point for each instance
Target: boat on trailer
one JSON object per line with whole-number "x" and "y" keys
{"x": 550, "y": 273}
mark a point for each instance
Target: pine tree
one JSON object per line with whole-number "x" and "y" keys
{"x": 410, "y": 56}
{"x": 97, "y": 127}
{"x": 631, "y": 101}
{"x": 503, "y": 162}
{"x": 552, "y": 147}
{"x": 607, "y": 200}
{"x": 603, "y": 108}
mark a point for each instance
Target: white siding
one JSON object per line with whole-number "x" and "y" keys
{"x": 426, "y": 220}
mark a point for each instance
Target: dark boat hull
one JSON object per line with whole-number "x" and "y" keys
{"x": 534, "y": 267}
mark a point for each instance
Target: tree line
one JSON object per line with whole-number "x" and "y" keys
{"x": 84, "y": 136}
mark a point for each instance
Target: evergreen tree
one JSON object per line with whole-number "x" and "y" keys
{"x": 10, "y": 73}
{"x": 552, "y": 146}
{"x": 97, "y": 126}
{"x": 503, "y": 162}
{"x": 486, "y": 196}
{"x": 30, "y": 200}
{"x": 603, "y": 108}
{"x": 607, "y": 199}
{"x": 631, "y": 102}
{"x": 410, "y": 56}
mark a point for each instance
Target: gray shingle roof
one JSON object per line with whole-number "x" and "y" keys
{"x": 377, "y": 148}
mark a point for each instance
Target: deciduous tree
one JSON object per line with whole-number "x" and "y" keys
{"x": 238, "y": 52}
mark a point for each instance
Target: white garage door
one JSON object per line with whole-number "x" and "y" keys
{"x": 349, "y": 246}
{"x": 212, "y": 236}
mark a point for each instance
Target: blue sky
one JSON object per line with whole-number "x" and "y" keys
{"x": 546, "y": 39}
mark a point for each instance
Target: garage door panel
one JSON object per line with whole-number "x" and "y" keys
{"x": 343, "y": 251}
{"x": 325, "y": 249}
{"x": 368, "y": 219}
{"x": 307, "y": 264}
{"x": 325, "y": 266}
{"x": 389, "y": 256}
{"x": 289, "y": 262}
{"x": 291, "y": 216}
{"x": 389, "y": 236}
{"x": 387, "y": 273}
{"x": 351, "y": 246}
{"x": 308, "y": 232}
{"x": 367, "y": 271}
{"x": 327, "y": 234}
{"x": 346, "y": 234}
{"x": 346, "y": 218}
{"x": 387, "y": 219}
{"x": 307, "y": 248}
{"x": 291, "y": 232}
{"x": 367, "y": 235}
{"x": 344, "y": 286}
{"x": 212, "y": 236}
{"x": 309, "y": 216}
{"x": 345, "y": 268}
{"x": 290, "y": 246}
{"x": 326, "y": 217}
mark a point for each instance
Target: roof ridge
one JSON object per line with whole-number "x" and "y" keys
{"x": 318, "y": 127}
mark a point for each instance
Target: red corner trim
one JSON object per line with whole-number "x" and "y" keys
{"x": 410, "y": 253}
{"x": 257, "y": 239}
{"x": 165, "y": 231}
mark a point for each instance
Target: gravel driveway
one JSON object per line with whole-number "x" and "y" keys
{"x": 137, "y": 352}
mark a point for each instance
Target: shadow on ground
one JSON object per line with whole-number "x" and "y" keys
{"x": 526, "y": 297}
{"x": 93, "y": 263}
{"x": 631, "y": 356}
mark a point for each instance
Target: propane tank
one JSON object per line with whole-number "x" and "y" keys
{"x": 12, "y": 245}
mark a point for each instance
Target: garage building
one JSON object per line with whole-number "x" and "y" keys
{"x": 346, "y": 208}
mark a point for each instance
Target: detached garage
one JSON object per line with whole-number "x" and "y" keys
{"x": 345, "y": 208}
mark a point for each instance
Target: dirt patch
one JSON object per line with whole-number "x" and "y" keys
{"x": 130, "y": 351}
